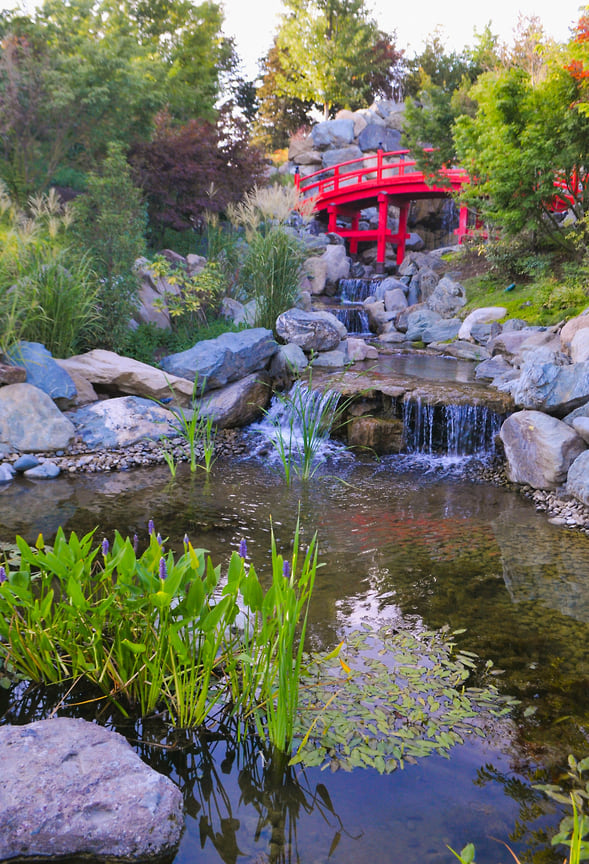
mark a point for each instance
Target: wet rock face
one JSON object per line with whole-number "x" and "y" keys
{"x": 74, "y": 788}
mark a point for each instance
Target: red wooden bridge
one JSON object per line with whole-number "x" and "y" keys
{"x": 380, "y": 180}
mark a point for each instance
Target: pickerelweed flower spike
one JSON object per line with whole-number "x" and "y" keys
{"x": 3, "y": 576}
{"x": 159, "y": 538}
{"x": 286, "y": 570}
{"x": 150, "y": 527}
{"x": 135, "y": 543}
{"x": 186, "y": 541}
{"x": 163, "y": 569}
{"x": 242, "y": 549}
{"x": 105, "y": 547}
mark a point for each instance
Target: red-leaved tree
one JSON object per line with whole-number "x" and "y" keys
{"x": 200, "y": 166}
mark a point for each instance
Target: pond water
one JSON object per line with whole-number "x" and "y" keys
{"x": 405, "y": 540}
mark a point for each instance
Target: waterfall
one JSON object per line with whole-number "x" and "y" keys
{"x": 357, "y": 290}
{"x": 453, "y": 430}
{"x": 354, "y": 319}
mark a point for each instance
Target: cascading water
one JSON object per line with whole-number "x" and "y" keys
{"x": 451, "y": 430}
{"x": 352, "y": 313}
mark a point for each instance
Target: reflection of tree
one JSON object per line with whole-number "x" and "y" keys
{"x": 279, "y": 795}
{"x": 532, "y": 807}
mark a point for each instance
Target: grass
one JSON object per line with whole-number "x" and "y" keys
{"x": 544, "y": 302}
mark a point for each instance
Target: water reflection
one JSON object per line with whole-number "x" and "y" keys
{"x": 398, "y": 543}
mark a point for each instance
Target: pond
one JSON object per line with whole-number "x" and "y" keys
{"x": 405, "y": 540}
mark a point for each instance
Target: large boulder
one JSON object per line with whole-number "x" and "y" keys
{"x": 539, "y": 449}
{"x": 311, "y": 331}
{"x": 578, "y": 478}
{"x": 337, "y": 263}
{"x": 424, "y": 283}
{"x": 447, "y": 297}
{"x": 42, "y": 370}
{"x": 333, "y": 133}
{"x": 572, "y": 326}
{"x": 239, "y": 403}
{"x": 486, "y": 315}
{"x": 122, "y": 422}
{"x": 287, "y": 364}
{"x": 492, "y": 368}
{"x": 441, "y": 331}
{"x": 509, "y": 342}
{"x": 375, "y": 136}
{"x": 580, "y": 346}
{"x": 117, "y": 374}
{"x": 419, "y": 321}
{"x": 552, "y": 388}
{"x": 315, "y": 271}
{"x": 229, "y": 357}
{"x": 302, "y": 151}
{"x": 72, "y": 788}
{"x": 30, "y": 421}
{"x": 343, "y": 154}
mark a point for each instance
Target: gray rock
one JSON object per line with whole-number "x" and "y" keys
{"x": 481, "y": 333}
{"x": 74, "y": 788}
{"x": 542, "y": 346}
{"x": 330, "y": 359}
{"x": 287, "y": 364}
{"x": 342, "y": 154}
{"x": 415, "y": 242}
{"x": 581, "y": 427}
{"x": 379, "y": 320}
{"x": 418, "y": 322}
{"x": 239, "y": 313}
{"x": 26, "y": 461}
{"x": 358, "y": 350}
{"x": 336, "y": 262}
{"x": 539, "y": 449}
{"x": 7, "y": 472}
{"x": 311, "y": 331}
{"x": 490, "y": 369}
{"x": 333, "y": 133}
{"x": 43, "y": 471}
{"x": 442, "y": 330}
{"x": 555, "y": 389}
{"x": 571, "y": 328}
{"x": 579, "y": 347}
{"x": 509, "y": 342}
{"x": 395, "y": 300}
{"x": 424, "y": 283}
{"x": 389, "y": 284}
{"x": 514, "y": 324}
{"x": 374, "y": 136}
{"x": 461, "y": 350}
{"x": 42, "y": 370}
{"x": 239, "y": 403}
{"x": 12, "y": 374}
{"x": 30, "y": 421}
{"x": 447, "y": 297}
{"x": 121, "y": 422}
{"x": 315, "y": 274}
{"x": 578, "y": 478}
{"x": 229, "y": 357}
{"x": 582, "y": 411}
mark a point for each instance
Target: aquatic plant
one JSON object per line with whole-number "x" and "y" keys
{"x": 573, "y": 789}
{"x": 195, "y": 425}
{"x": 157, "y": 629}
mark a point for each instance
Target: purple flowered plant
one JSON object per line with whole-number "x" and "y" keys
{"x": 286, "y": 570}
{"x": 159, "y": 538}
{"x": 150, "y": 527}
{"x": 242, "y": 549}
{"x": 105, "y": 547}
{"x": 3, "y": 576}
{"x": 163, "y": 569}
{"x": 135, "y": 543}
{"x": 186, "y": 541}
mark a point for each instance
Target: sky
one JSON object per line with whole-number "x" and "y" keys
{"x": 253, "y": 22}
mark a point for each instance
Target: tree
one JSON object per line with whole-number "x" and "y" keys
{"x": 525, "y": 137}
{"x": 334, "y": 55}
{"x": 279, "y": 115}
{"x": 200, "y": 166}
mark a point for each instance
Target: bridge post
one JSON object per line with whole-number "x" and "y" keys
{"x": 462, "y": 223}
{"x": 332, "y": 218}
{"x": 381, "y": 233}
{"x": 354, "y": 240}
{"x": 402, "y": 232}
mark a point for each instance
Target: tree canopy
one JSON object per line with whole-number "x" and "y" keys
{"x": 332, "y": 54}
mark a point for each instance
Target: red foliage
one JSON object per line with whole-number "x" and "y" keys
{"x": 186, "y": 170}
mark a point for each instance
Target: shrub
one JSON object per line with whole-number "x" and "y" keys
{"x": 271, "y": 273}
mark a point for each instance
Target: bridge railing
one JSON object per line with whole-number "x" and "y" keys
{"x": 370, "y": 169}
